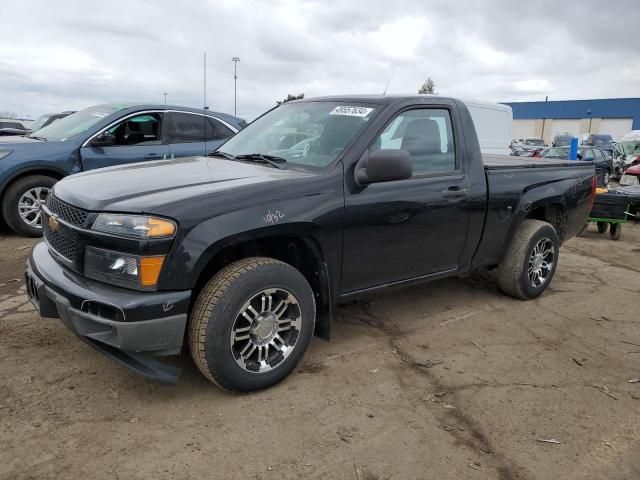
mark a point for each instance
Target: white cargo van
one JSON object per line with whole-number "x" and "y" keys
{"x": 494, "y": 126}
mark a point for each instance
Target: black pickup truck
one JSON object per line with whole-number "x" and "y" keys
{"x": 247, "y": 251}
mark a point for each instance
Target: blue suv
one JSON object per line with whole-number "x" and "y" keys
{"x": 96, "y": 137}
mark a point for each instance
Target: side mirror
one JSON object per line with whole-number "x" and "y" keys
{"x": 384, "y": 166}
{"x": 105, "y": 139}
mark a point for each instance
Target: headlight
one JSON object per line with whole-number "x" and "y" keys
{"x": 4, "y": 153}
{"x": 138, "y": 226}
{"x": 122, "y": 269}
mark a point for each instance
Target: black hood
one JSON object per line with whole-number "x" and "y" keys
{"x": 146, "y": 187}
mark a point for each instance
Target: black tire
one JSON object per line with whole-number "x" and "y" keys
{"x": 602, "y": 227}
{"x": 513, "y": 270}
{"x": 615, "y": 231}
{"x": 11, "y": 198}
{"x": 218, "y": 307}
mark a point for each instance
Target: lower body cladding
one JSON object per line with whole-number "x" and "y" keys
{"x": 129, "y": 327}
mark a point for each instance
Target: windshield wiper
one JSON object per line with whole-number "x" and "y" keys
{"x": 42, "y": 139}
{"x": 272, "y": 160}
{"x": 218, "y": 153}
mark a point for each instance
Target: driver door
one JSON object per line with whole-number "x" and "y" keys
{"x": 137, "y": 138}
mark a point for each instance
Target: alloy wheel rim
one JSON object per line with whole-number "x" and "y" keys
{"x": 266, "y": 330}
{"x": 541, "y": 262}
{"x": 29, "y": 205}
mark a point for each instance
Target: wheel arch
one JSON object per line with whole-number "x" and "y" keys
{"x": 550, "y": 210}
{"x": 554, "y": 213}
{"x": 300, "y": 250}
{"x": 49, "y": 171}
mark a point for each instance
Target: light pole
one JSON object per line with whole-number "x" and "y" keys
{"x": 235, "y": 61}
{"x": 165, "y": 97}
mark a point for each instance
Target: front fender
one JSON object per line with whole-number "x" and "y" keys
{"x": 315, "y": 216}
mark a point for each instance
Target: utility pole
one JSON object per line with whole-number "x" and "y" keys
{"x": 165, "y": 97}
{"x": 204, "y": 80}
{"x": 235, "y": 61}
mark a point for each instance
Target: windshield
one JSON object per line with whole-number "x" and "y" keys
{"x": 75, "y": 123}
{"x": 563, "y": 140}
{"x": 311, "y": 134}
{"x": 630, "y": 147}
{"x": 556, "y": 153}
{"x": 37, "y": 125}
{"x": 536, "y": 142}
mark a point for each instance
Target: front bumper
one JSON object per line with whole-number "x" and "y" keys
{"x": 130, "y": 327}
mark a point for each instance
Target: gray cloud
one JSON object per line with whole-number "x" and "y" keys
{"x": 68, "y": 55}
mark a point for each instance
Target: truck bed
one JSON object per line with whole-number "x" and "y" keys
{"x": 502, "y": 162}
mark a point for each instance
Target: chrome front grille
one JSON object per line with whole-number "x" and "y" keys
{"x": 70, "y": 214}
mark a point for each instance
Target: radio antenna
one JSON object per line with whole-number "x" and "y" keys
{"x": 386, "y": 86}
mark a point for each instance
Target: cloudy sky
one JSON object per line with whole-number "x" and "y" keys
{"x": 64, "y": 54}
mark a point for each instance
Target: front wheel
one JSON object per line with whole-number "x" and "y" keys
{"x": 22, "y": 201}
{"x": 602, "y": 227}
{"x": 251, "y": 324}
{"x": 530, "y": 262}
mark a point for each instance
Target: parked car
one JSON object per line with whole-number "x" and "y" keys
{"x": 247, "y": 252}
{"x": 626, "y": 152}
{"x": 631, "y": 176}
{"x": 532, "y": 142}
{"x": 603, "y": 163}
{"x": 605, "y": 142}
{"x": 47, "y": 119}
{"x": 96, "y": 137}
{"x": 562, "y": 140}
{"x": 12, "y": 127}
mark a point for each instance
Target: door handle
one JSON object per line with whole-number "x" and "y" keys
{"x": 152, "y": 156}
{"x": 453, "y": 193}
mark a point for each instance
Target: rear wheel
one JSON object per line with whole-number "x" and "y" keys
{"x": 530, "y": 262}
{"x": 602, "y": 227}
{"x": 251, "y": 324}
{"x": 22, "y": 201}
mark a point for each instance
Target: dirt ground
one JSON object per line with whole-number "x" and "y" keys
{"x": 450, "y": 380}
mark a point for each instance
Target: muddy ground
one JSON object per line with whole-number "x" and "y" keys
{"x": 450, "y": 380}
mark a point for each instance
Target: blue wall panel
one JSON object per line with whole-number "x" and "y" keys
{"x": 599, "y": 108}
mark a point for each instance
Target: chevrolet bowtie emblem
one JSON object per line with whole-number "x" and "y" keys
{"x": 54, "y": 224}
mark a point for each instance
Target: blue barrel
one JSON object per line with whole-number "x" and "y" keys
{"x": 573, "y": 148}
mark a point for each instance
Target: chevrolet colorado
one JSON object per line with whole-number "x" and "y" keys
{"x": 246, "y": 252}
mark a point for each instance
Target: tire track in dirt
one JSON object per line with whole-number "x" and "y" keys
{"x": 468, "y": 432}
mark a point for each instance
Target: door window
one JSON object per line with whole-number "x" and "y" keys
{"x": 141, "y": 129}
{"x": 215, "y": 130}
{"x": 588, "y": 155}
{"x": 426, "y": 134}
{"x": 186, "y": 128}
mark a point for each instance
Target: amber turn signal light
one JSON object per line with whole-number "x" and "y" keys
{"x": 150, "y": 270}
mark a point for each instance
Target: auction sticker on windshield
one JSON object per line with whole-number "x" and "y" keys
{"x": 351, "y": 111}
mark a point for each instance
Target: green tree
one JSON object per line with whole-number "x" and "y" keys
{"x": 428, "y": 87}
{"x": 290, "y": 97}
